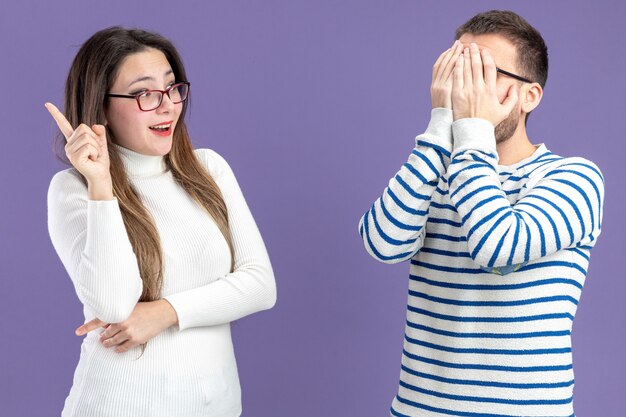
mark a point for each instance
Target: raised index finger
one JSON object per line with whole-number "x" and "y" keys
{"x": 65, "y": 126}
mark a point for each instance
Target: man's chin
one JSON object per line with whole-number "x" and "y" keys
{"x": 501, "y": 139}
{"x": 506, "y": 129}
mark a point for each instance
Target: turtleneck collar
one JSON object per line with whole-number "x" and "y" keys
{"x": 139, "y": 165}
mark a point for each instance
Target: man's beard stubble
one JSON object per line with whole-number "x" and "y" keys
{"x": 505, "y": 129}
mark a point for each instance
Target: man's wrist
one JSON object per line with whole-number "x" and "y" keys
{"x": 461, "y": 116}
{"x": 439, "y": 130}
{"x": 474, "y": 133}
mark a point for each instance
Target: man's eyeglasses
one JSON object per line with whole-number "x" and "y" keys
{"x": 152, "y": 99}
{"x": 510, "y": 74}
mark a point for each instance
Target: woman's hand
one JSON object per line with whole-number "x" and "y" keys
{"x": 441, "y": 86}
{"x": 86, "y": 149}
{"x": 147, "y": 320}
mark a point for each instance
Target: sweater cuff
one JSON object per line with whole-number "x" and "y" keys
{"x": 177, "y": 301}
{"x": 474, "y": 134}
{"x": 439, "y": 130}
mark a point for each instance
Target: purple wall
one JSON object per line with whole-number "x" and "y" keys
{"x": 315, "y": 105}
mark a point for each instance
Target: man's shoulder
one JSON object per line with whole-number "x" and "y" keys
{"x": 573, "y": 169}
{"x": 572, "y": 164}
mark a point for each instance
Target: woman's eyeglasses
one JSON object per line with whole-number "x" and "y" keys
{"x": 152, "y": 99}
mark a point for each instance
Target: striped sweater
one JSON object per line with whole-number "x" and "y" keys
{"x": 498, "y": 258}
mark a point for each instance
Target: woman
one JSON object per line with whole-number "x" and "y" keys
{"x": 156, "y": 237}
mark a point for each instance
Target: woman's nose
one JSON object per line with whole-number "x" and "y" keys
{"x": 166, "y": 104}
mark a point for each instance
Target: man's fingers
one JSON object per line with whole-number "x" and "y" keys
{"x": 467, "y": 69}
{"x": 444, "y": 60}
{"x": 448, "y": 60}
{"x": 489, "y": 67}
{"x": 437, "y": 64}
{"x": 447, "y": 71}
{"x": 477, "y": 65}
{"x": 457, "y": 77}
{"x": 89, "y": 326}
{"x": 65, "y": 126}
{"x": 512, "y": 97}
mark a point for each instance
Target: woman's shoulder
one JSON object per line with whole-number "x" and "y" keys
{"x": 67, "y": 188}
{"x": 213, "y": 162}
{"x": 67, "y": 179}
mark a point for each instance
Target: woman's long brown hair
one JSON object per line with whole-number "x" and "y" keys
{"x": 92, "y": 73}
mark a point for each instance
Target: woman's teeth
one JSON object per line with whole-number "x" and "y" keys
{"x": 160, "y": 128}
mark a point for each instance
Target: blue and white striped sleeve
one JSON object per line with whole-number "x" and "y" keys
{"x": 562, "y": 209}
{"x": 393, "y": 228}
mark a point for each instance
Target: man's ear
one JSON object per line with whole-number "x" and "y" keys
{"x": 531, "y": 97}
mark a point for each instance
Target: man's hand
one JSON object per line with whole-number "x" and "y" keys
{"x": 441, "y": 86}
{"x": 147, "y": 320}
{"x": 474, "y": 92}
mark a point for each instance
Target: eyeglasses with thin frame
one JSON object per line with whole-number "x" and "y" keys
{"x": 152, "y": 99}
{"x": 510, "y": 74}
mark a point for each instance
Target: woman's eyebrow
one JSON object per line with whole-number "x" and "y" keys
{"x": 148, "y": 78}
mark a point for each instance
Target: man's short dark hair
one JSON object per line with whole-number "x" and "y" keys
{"x": 532, "y": 52}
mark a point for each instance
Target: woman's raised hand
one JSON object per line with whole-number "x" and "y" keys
{"x": 86, "y": 149}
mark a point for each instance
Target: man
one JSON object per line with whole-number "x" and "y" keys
{"x": 498, "y": 231}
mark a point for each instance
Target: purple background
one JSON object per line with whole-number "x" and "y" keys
{"x": 315, "y": 105}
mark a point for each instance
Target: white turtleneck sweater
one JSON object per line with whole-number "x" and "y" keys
{"x": 188, "y": 370}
